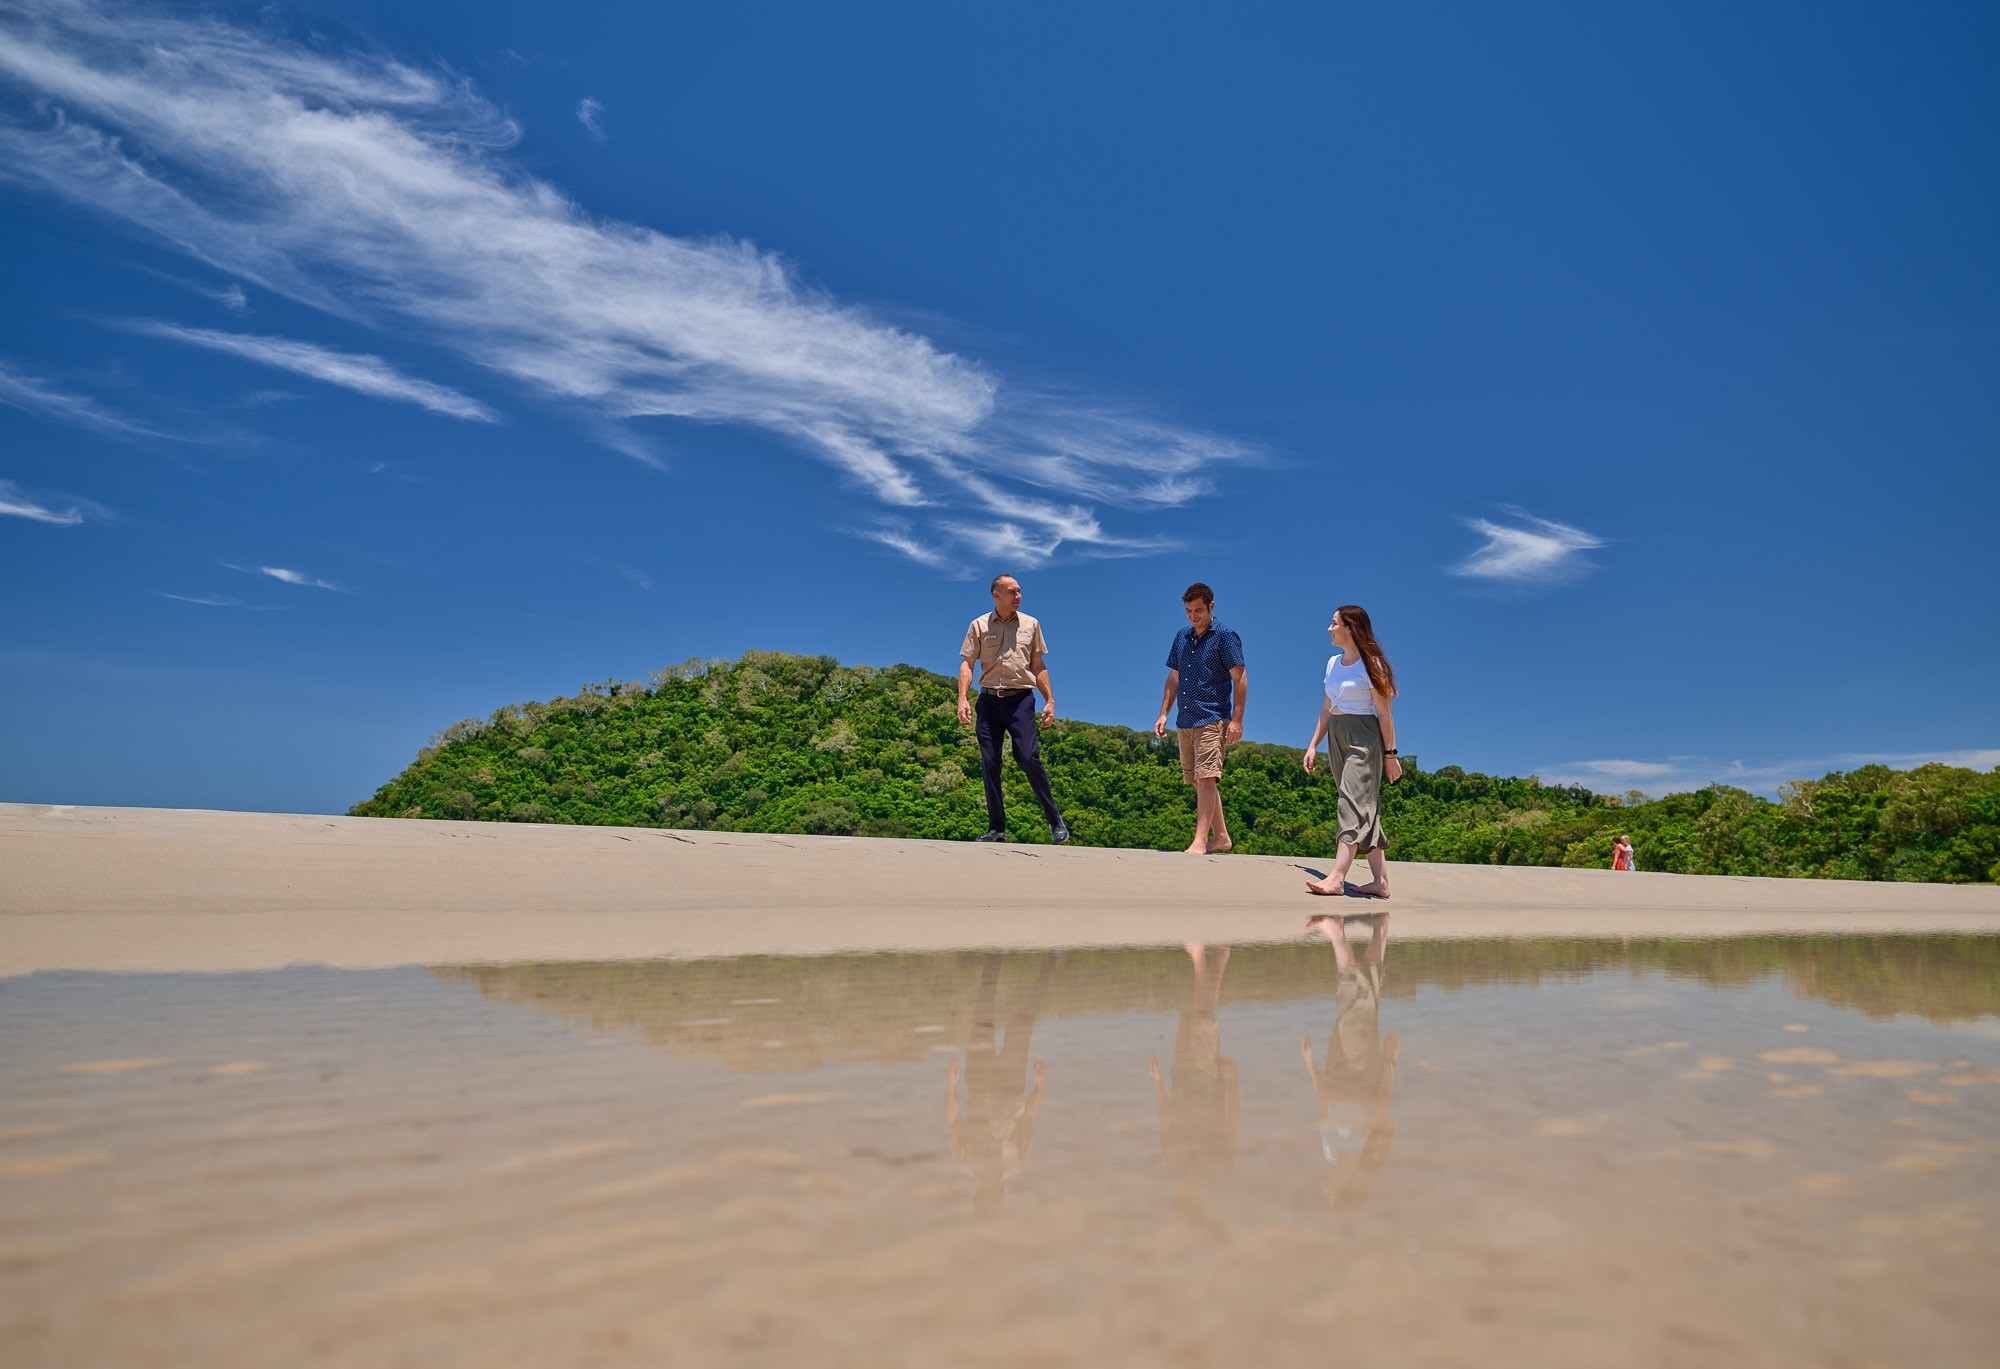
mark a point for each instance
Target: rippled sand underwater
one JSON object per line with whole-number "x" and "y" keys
{"x": 1766, "y": 1150}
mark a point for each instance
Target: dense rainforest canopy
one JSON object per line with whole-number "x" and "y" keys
{"x": 777, "y": 743}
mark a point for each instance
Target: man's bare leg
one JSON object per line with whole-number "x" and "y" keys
{"x": 1199, "y": 846}
{"x": 1218, "y": 825}
{"x": 1335, "y": 883}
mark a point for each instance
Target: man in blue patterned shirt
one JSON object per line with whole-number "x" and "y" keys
{"x": 1205, "y": 671}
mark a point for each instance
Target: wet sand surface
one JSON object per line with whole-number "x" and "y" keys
{"x": 1363, "y": 1147}
{"x": 138, "y": 889}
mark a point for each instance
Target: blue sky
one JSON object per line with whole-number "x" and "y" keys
{"x": 366, "y": 367}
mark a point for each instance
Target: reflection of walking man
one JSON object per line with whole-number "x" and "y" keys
{"x": 1009, "y": 647}
{"x": 992, "y": 1137}
{"x": 1201, "y": 1118}
{"x": 1205, "y": 671}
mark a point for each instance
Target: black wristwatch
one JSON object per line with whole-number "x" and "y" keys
{"x": 1390, "y": 752}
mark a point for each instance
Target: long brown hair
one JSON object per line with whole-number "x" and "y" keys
{"x": 1381, "y": 675}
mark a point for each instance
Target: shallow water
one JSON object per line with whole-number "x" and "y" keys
{"x": 1762, "y": 1150}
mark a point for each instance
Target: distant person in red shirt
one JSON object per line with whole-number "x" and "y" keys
{"x": 1621, "y": 854}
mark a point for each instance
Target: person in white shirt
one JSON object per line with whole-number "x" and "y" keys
{"x": 1355, "y": 719}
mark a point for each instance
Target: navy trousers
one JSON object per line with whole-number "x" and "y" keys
{"x": 1011, "y": 717}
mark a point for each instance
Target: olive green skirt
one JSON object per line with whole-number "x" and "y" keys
{"x": 1354, "y": 752}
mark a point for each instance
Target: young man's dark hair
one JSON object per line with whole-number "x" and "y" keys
{"x": 1198, "y": 590}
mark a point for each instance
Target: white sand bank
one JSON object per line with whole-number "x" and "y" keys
{"x": 140, "y": 889}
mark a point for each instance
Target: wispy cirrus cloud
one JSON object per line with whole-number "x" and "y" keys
{"x": 384, "y": 194}
{"x": 32, "y": 394}
{"x": 368, "y": 375}
{"x": 1680, "y": 774}
{"x": 15, "y": 504}
{"x": 897, "y": 536}
{"x": 295, "y": 577}
{"x": 285, "y": 576}
{"x": 590, "y": 113}
{"x": 1530, "y": 551}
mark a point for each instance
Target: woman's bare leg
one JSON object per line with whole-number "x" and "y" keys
{"x": 1335, "y": 883}
{"x": 1378, "y": 866}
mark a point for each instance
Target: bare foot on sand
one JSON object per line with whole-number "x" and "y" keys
{"x": 1374, "y": 888}
{"x": 1216, "y": 848}
{"x": 1335, "y": 888}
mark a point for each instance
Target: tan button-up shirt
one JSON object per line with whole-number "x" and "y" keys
{"x": 1006, "y": 651}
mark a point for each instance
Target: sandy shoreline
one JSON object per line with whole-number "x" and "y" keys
{"x": 135, "y": 889}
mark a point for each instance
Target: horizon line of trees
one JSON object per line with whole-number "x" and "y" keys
{"x": 781, "y": 743}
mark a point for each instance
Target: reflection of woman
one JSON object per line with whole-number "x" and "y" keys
{"x": 1200, "y": 1119}
{"x": 992, "y": 1138}
{"x": 1353, "y": 1088}
{"x": 1355, "y": 718}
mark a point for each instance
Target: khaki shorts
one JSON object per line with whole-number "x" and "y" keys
{"x": 1201, "y": 751}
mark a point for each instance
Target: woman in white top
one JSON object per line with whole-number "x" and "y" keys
{"x": 1354, "y": 717}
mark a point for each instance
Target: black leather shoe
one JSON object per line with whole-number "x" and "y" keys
{"x": 1059, "y": 834}
{"x": 994, "y": 834}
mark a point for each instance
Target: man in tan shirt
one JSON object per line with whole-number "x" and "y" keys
{"x": 1009, "y": 647}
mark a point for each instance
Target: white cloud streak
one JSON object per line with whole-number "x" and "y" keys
{"x": 15, "y": 504}
{"x": 284, "y": 576}
{"x": 382, "y": 193}
{"x": 1680, "y": 774}
{"x": 898, "y": 538}
{"x": 368, "y": 375}
{"x": 1534, "y": 551}
{"x": 294, "y": 577}
{"x": 588, "y": 114}
{"x": 31, "y": 394}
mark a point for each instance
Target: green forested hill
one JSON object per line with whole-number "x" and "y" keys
{"x": 776, "y": 743}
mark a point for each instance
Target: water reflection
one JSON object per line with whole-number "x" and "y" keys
{"x": 1202, "y": 1116}
{"x": 1601, "y": 1154}
{"x": 1354, "y": 1085}
{"x": 768, "y": 1013}
{"x": 992, "y": 1137}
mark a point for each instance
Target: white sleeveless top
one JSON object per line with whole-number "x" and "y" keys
{"x": 1348, "y": 688}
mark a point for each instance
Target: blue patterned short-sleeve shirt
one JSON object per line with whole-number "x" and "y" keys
{"x": 1207, "y": 694}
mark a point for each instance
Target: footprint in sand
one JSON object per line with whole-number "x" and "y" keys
{"x": 785, "y": 1100}
{"x": 29, "y": 1129}
{"x": 42, "y": 1166}
{"x": 561, "y": 1155}
{"x": 1708, "y": 1067}
{"x": 1926, "y": 1157}
{"x": 1800, "y": 1055}
{"x": 1884, "y": 1069}
{"x": 114, "y": 1066}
